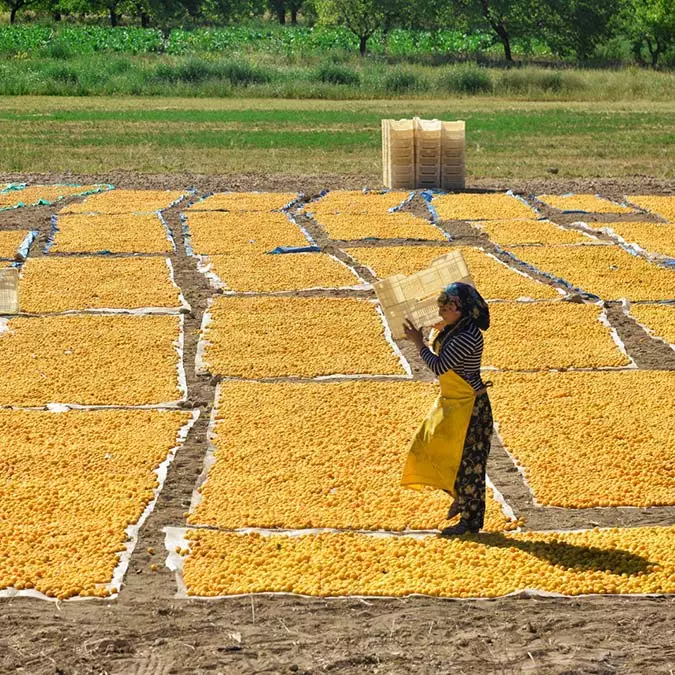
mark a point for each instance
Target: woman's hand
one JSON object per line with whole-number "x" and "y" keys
{"x": 413, "y": 334}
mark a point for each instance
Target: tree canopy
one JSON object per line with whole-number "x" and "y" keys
{"x": 568, "y": 28}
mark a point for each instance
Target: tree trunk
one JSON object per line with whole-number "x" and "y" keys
{"x": 499, "y": 28}
{"x": 654, "y": 52}
{"x": 56, "y": 16}
{"x": 363, "y": 44}
{"x": 281, "y": 13}
{"x": 504, "y": 37}
{"x": 145, "y": 20}
{"x": 113, "y": 17}
{"x": 294, "y": 16}
{"x": 12, "y": 12}
{"x": 655, "y": 57}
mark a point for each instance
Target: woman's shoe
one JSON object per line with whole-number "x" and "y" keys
{"x": 454, "y": 510}
{"x": 455, "y": 530}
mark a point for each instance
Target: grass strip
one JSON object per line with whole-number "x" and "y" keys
{"x": 504, "y": 138}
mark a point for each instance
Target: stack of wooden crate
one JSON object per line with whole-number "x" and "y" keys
{"x": 9, "y": 290}
{"x": 398, "y": 153}
{"x": 423, "y": 154}
{"x": 452, "y": 156}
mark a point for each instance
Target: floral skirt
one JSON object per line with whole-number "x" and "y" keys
{"x": 470, "y": 481}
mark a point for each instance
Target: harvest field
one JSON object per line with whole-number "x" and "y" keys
{"x": 175, "y": 429}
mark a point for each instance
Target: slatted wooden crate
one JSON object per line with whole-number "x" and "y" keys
{"x": 9, "y": 291}
{"x": 414, "y": 297}
{"x": 427, "y": 154}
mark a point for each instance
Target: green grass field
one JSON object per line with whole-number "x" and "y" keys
{"x": 505, "y": 138}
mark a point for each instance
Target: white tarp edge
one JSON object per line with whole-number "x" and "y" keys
{"x": 175, "y": 538}
{"x": 615, "y": 336}
{"x": 626, "y": 305}
{"x": 201, "y": 367}
{"x": 501, "y": 500}
{"x": 205, "y": 267}
{"x": 131, "y": 531}
{"x": 560, "y": 291}
{"x": 630, "y": 246}
{"x": 178, "y": 345}
{"x": 184, "y": 305}
{"x": 521, "y": 469}
{"x": 210, "y": 456}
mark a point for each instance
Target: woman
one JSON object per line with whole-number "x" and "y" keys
{"x": 451, "y": 447}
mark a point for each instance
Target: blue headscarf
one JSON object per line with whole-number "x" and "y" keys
{"x": 469, "y": 301}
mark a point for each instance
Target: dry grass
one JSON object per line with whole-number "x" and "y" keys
{"x": 505, "y": 138}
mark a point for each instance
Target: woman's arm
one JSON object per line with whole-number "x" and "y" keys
{"x": 454, "y": 352}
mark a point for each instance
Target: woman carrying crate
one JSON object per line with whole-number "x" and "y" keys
{"x": 451, "y": 447}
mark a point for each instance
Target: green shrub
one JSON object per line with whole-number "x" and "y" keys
{"x": 62, "y": 73}
{"x": 192, "y": 71}
{"x": 551, "y": 81}
{"x": 572, "y": 82}
{"x": 467, "y": 79}
{"x": 529, "y": 81}
{"x": 118, "y": 66}
{"x": 58, "y": 49}
{"x": 340, "y": 57}
{"x": 332, "y": 73}
{"x": 403, "y": 81}
{"x": 165, "y": 72}
{"x": 241, "y": 73}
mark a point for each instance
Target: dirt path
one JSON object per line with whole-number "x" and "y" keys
{"x": 285, "y": 634}
{"x": 146, "y": 630}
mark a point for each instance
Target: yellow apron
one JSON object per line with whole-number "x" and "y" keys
{"x": 436, "y": 451}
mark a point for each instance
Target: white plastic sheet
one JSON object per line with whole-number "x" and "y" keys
{"x": 202, "y": 368}
{"x": 206, "y": 268}
{"x": 629, "y": 246}
{"x": 55, "y": 230}
{"x": 187, "y": 235}
{"x": 182, "y": 308}
{"x": 295, "y": 201}
{"x": 308, "y": 211}
{"x": 175, "y": 538}
{"x": 178, "y": 345}
{"x": 131, "y": 531}
{"x": 626, "y": 305}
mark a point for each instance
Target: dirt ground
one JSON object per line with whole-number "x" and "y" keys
{"x": 148, "y": 631}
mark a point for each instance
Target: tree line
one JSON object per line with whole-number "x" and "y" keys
{"x": 569, "y": 28}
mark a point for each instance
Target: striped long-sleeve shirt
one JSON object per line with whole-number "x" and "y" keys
{"x": 462, "y": 353}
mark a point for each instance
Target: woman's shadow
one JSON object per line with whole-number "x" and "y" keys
{"x": 571, "y": 556}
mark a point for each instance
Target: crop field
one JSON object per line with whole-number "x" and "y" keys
{"x": 204, "y": 419}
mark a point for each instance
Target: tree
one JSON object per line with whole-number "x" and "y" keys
{"x": 294, "y": 7}
{"x": 14, "y": 6}
{"x": 649, "y": 23}
{"x": 433, "y": 15}
{"x": 506, "y": 18}
{"x": 142, "y": 9}
{"x": 53, "y": 7}
{"x": 278, "y": 7}
{"x": 576, "y": 26}
{"x": 112, "y": 7}
{"x": 226, "y": 11}
{"x": 165, "y": 13}
{"x": 362, "y": 17}
{"x": 496, "y": 15}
